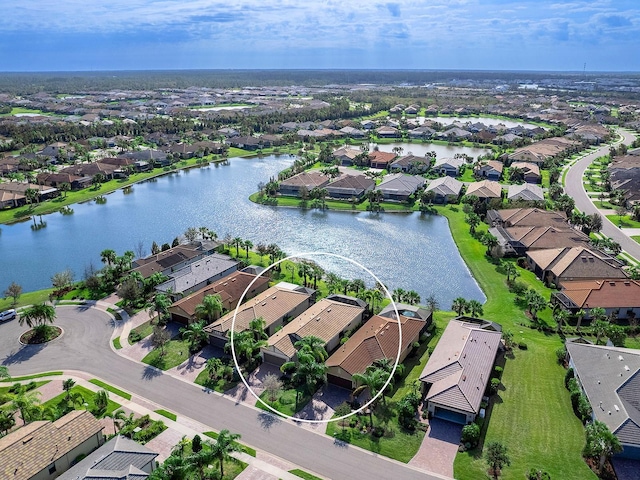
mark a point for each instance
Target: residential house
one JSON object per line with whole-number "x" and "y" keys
{"x": 388, "y": 132}
{"x": 491, "y": 170}
{"x": 445, "y": 189}
{"x": 57, "y": 179}
{"x": 519, "y": 240}
{"x": 197, "y": 274}
{"x": 91, "y": 170}
{"x": 530, "y": 171}
{"x": 245, "y": 142}
{"x": 42, "y": 450}
{"x": 485, "y": 190}
{"x": 379, "y": 159}
{"x": 11, "y": 199}
{"x": 353, "y": 132}
{"x": 455, "y": 134}
{"x": 526, "y": 217}
{"x": 539, "y": 152}
{"x": 618, "y": 297}
{"x": 303, "y": 181}
{"x": 422, "y": 132}
{"x": 152, "y": 157}
{"x": 368, "y": 124}
{"x": 527, "y": 191}
{"x": 398, "y": 187}
{"x": 168, "y": 261}
{"x": 19, "y": 188}
{"x": 378, "y": 338}
{"x": 118, "y": 459}
{"x": 610, "y": 378}
{"x": 458, "y": 371}
{"x": 327, "y": 320}
{"x": 411, "y": 163}
{"x": 229, "y": 289}
{"x": 276, "y": 305}
{"x": 350, "y": 186}
{"x": 448, "y": 166}
{"x": 507, "y": 139}
{"x": 557, "y": 265}
{"x": 346, "y": 155}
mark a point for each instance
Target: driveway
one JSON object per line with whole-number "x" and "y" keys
{"x": 439, "y": 447}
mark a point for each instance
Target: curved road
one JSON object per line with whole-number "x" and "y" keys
{"x": 85, "y": 346}
{"x": 574, "y": 187}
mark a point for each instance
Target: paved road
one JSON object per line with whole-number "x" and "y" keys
{"x": 85, "y": 346}
{"x": 575, "y": 189}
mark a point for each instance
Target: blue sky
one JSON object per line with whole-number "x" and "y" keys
{"x": 45, "y": 35}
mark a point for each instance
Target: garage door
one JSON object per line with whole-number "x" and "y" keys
{"x": 273, "y": 359}
{"x": 450, "y": 416}
{"x": 341, "y": 382}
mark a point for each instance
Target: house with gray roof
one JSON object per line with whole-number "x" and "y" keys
{"x": 197, "y": 275}
{"x": 399, "y": 187}
{"x": 448, "y": 166}
{"x": 348, "y": 186}
{"x": 304, "y": 180}
{"x": 411, "y": 163}
{"x": 529, "y": 192}
{"x": 458, "y": 371}
{"x": 610, "y": 378}
{"x": 445, "y": 189}
{"x": 118, "y": 459}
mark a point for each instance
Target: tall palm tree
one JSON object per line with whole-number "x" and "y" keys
{"x": 237, "y": 241}
{"x": 475, "y": 309}
{"x": 412, "y": 297}
{"x": 225, "y": 445}
{"x": 37, "y": 317}
{"x": 372, "y": 378}
{"x": 195, "y": 335}
{"x": 25, "y": 403}
{"x": 376, "y": 298}
{"x": 67, "y": 385}
{"x": 398, "y": 295}
{"x": 313, "y": 345}
{"x": 357, "y": 285}
{"x": 459, "y": 306}
{"x": 247, "y": 244}
{"x": 560, "y": 316}
{"x": 511, "y": 271}
{"x": 210, "y": 307}
{"x": 160, "y": 306}
{"x": 304, "y": 271}
{"x": 580, "y": 315}
{"x": 258, "y": 327}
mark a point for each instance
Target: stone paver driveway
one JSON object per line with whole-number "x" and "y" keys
{"x": 439, "y": 447}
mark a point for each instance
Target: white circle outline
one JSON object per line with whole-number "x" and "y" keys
{"x": 305, "y": 420}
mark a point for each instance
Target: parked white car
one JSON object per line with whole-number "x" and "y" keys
{"x": 7, "y": 315}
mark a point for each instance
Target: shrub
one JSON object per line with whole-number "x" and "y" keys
{"x": 196, "y": 444}
{"x": 584, "y": 408}
{"x": 568, "y": 376}
{"x": 498, "y": 371}
{"x": 536, "y": 474}
{"x": 522, "y": 345}
{"x": 134, "y": 337}
{"x": 495, "y": 383}
{"x": 471, "y": 434}
{"x": 561, "y": 354}
{"x": 519, "y": 288}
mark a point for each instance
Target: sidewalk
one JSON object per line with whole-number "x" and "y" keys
{"x": 262, "y": 467}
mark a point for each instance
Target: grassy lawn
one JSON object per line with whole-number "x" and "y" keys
{"x": 245, "y": 449}
{"x": 31, "y": 377}
{"x": 141, "y": 331}
{"x": 87, "y": 396}
{"x": 116, "y": 343}
{"x": 533, "y": 414}
{"x": 626, "y": 221}
{"x": 28, "y": 298}
{"x": 344, "y": 205}
{"x": 286, "y": 402}
{"x": 167, "y": 414}
{"x": 396, "y": 443}
{"x": 221, "y": 385}
{"x": 175, "y": 352}
{"x": 110, "y": 388}
{"x": 636, "y": 238}
{"x": 302, "y": 474}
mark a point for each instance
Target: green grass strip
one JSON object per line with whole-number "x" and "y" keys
{"x": 111, "y": 388}
{"x": 245, "y": 449}
{"x": 165, "y": 413}
{"x": 116, "y": 343}
{"x": 302, "y": 474}
{"x": 30, "y": 377}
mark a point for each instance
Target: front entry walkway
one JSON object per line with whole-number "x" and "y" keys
{"x": 439, "y": 447}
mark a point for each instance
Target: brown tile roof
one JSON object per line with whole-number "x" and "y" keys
{"x": 32, "y": 448}
{"x": 585, "y": 263}
{"x": 527, "y": 167}
{"x": 616, "y": 293}
{"x": 351, "y": 182}
{"x": 229, "y": 288}
{"x": 376, "y": 339}
{"x": 307, "y": 179}
{"x": 271, "y": 305}
{"x": 381, "y": 157}
{"x": 325, "y": 320}
{"x": 460, "y": 366}
{"x": 538, "y": 238}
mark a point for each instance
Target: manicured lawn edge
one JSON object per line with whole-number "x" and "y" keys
{"x": 167, "y": 414}
{"x": 110, "y": 388}
{"x": 87, "y": 396}
{"x": 116, "y": 343}
{"x": 31, "y": 377}
{"x": 302, "y": 474}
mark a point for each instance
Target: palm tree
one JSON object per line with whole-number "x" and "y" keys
{"x": 65, "y": 187}
{"x": 580, "y": 315}
{"x": 412, "y": 297}
{"x": 160, "y": 306}
{"x": 237, "y": 241}
{"x": 101, "y": 400}
{"x": 195, "y": 335}
{"x": 372, "y": 378}
{"x": 474, "y": 307}
{"x": 258, "y": 327}
{"x": 473, "y": 220}
{"x": 313, "y": 345}
{"x": 25, "y": 403}
{"x": 119, "y": 418}
{"x": 309, "y": 372}
{"x": 601, "y": 442}
{"x": 209, "y": 308}
{"x": 225, "y": 445}
{"x": 67, "y": 385}
{"x": 199, "y": 461}
{"x": 37, "y": 317}
{"x": 511, "y": 271}
{"x": 376, "y": 297}
{"x": 599, "y": 328}
{"x": 398, "y": 295}
{"x": 459, "y": 306}
{"x": 247, "y": 245}
{"x": 357, "y": 285}
{"x": 560, "y": 316}
{"x": 304, "y": 271}
{"x": 535, "y": 303}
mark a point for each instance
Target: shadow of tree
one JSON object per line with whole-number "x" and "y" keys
{"x": 23, "y": 354}
{"x": 267, "y": 420}
{"x": 150, "y": 372}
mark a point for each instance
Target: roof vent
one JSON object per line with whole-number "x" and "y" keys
{"x": 617, "y": 408}
{"x": 620, "y": 357}
{"x": 626, "y": 367}
{"x": 264, "y": 303}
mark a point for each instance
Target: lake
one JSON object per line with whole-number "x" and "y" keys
{"x": 409, "y": 251}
